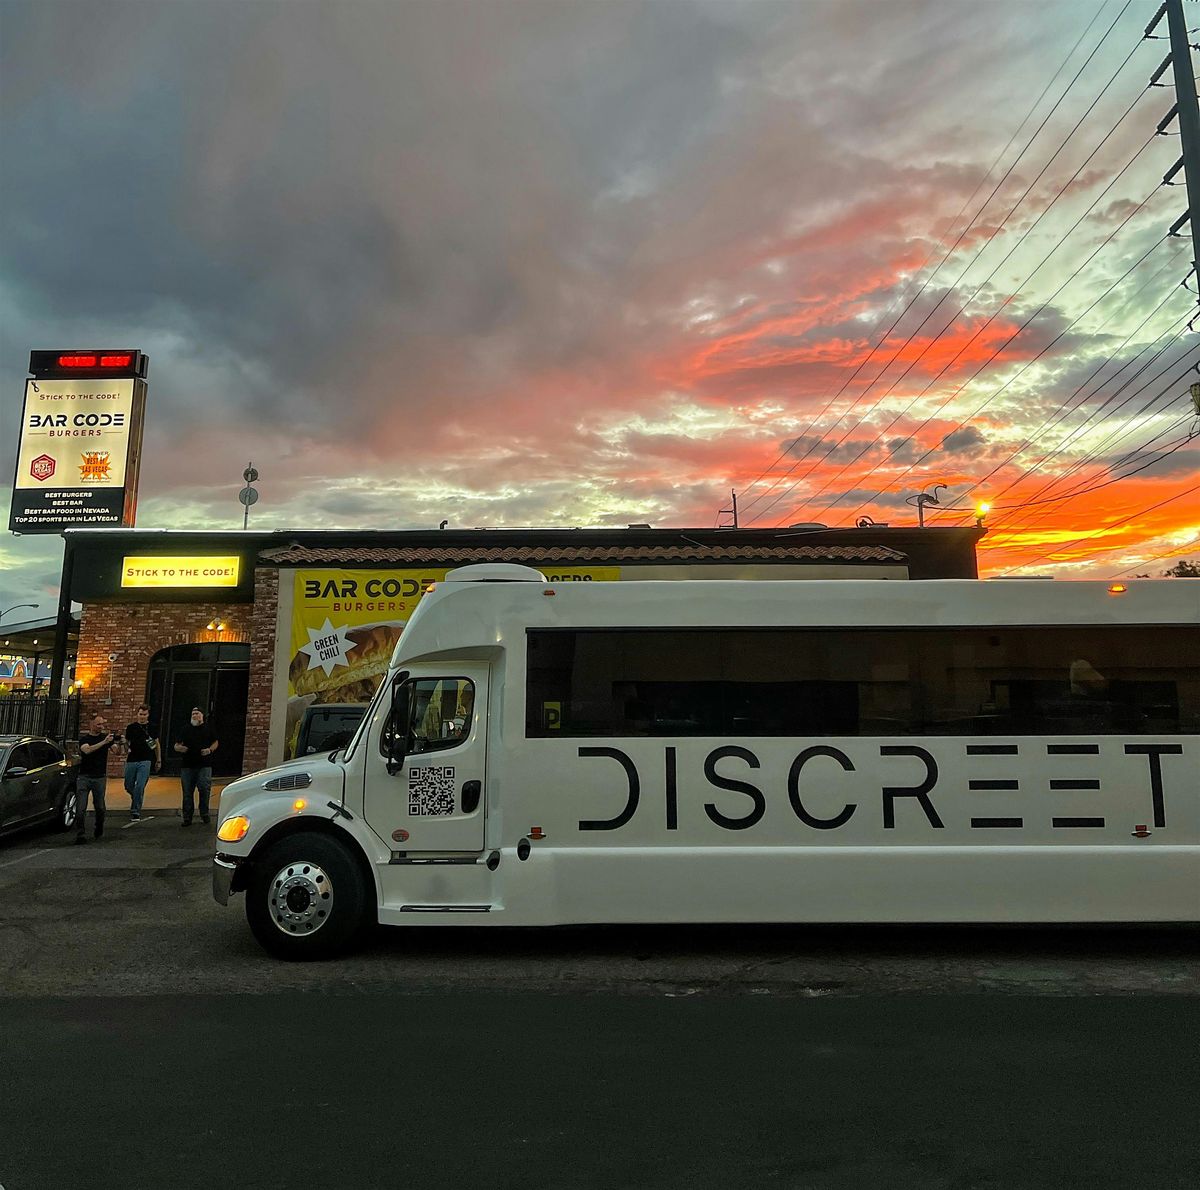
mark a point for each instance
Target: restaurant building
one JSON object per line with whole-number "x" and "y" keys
{"x": 253, "y": 627}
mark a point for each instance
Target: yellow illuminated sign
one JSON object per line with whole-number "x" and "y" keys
{"x": 163, "y": 571}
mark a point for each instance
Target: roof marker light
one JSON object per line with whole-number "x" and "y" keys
{"x": 1117, "y": 589}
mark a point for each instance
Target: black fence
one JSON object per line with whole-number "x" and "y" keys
{"x": 56, "y": 718}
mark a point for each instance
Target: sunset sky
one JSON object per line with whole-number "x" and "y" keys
{"x": 511, "y": 263}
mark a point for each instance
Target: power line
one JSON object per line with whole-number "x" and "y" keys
{"x": 1074, "y": 434}
{"x": 1176, "y": 551}
{"x": 1059, "y": 447}
{"x": 1102, "y": 529}
{"x": 991, "y": 358}
{"x": 1008, "y": 342}
{"x": 1063, "y": 409}
{"x": 1158, "y": 458}
{"x": 979, "y": 287}
{"x": 1116, "y": 435}
{"x": 829, "y": 404}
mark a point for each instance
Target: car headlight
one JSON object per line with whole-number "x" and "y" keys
{"x": 235, "y": 829}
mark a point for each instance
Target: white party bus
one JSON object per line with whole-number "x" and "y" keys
{"x": 715, "y": 751}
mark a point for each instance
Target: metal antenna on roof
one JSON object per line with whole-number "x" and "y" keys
{"x": 248, "y": 495}
{"x": 922, "y": 499}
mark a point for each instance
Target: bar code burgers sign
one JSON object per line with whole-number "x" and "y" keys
{"x": 78, "y": 455}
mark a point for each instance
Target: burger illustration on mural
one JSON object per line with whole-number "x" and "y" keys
{"x": 339, "y": 664}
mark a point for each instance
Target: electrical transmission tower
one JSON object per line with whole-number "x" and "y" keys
{"x": 1180, "y": 60}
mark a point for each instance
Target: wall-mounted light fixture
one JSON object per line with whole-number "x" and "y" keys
{"x": 981, "y": 511}
{"x": 216, "y": 626}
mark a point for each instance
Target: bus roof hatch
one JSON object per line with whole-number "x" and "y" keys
{"x": 495, "y": 572}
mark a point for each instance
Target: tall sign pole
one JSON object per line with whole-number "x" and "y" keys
{"x": 1189, "y": 118}
{"x": 79, "y": 459}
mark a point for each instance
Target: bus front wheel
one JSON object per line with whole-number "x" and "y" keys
{"x": 306, "y": 898}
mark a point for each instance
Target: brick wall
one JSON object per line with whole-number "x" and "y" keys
{"x": 135, "y": 632}
{"x": 262, "y": 667}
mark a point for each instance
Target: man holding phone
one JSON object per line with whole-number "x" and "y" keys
{"x": 94, "y": 746}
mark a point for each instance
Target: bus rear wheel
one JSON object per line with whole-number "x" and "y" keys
{"x": 306, "y": 898}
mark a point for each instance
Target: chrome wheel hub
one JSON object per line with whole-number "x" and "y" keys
{"x": 301, "y": 898}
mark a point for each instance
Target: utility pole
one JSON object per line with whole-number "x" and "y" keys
{"x": 733, "y": 510}
{"x": 1180, "y": 59}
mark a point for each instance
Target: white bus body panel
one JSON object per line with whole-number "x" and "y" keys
{"x": 857, "y": 829}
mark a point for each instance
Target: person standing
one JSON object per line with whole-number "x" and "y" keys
{"x": 196, "y": 743}
{"x": 94, "y": 746}
{"x": 144, "y": 754}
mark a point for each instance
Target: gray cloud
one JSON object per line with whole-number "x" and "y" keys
{"x": 964, "y": 441}
{"x": 1183, "y": 460}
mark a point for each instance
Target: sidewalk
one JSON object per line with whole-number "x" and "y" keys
{"x": 162, "y": 793}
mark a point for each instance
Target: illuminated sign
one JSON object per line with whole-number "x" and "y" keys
{"x": 80, "y": 448}
{"x": 162, "y": 571}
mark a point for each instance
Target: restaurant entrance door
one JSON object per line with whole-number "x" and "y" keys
{"x": 214, "y": 677}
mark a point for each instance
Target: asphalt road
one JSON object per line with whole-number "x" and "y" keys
{"x": 578, "y": 1089}
{"x": 145, "y": 1041}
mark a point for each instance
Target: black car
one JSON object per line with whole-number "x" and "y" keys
{"x": 37, "y": 783}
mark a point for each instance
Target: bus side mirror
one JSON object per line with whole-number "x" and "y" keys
{"x": 397, "y": 728}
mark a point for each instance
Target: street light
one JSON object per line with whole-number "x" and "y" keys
{"x": 15, "y": 607}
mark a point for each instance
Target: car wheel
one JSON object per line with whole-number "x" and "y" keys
{"x": 306, "y": 897}
{"x": 68, "y": 808}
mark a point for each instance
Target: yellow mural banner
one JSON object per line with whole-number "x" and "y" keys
{"x": 345, "y": 624}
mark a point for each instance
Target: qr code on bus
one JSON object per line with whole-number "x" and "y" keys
{"x": 431, "y": 791}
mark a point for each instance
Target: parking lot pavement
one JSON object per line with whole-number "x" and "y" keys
{"x": 133, "y": 914}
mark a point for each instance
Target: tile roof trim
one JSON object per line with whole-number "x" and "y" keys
{"x": 391, "y": 556}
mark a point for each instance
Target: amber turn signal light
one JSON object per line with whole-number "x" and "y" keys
{"x": 234, "y": 830}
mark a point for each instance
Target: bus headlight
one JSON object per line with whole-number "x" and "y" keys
{"x": 234, "y": 830}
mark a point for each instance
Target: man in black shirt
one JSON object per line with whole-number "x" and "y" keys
{"x": 142, "y": 742}
{"x": 196, "y": 743}
{"x": 94, "y": 747}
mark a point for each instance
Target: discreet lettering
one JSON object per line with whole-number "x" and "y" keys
{"x": 633, "y": 793}
{"x": 919, "y": 792}
{"x": 809, "y": 819}
{"x": 759, "y": 803}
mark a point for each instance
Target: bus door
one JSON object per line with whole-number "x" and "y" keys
{"x": 437, "y": 799}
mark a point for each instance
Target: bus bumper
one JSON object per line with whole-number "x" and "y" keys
{"x": 222, "y": 879}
